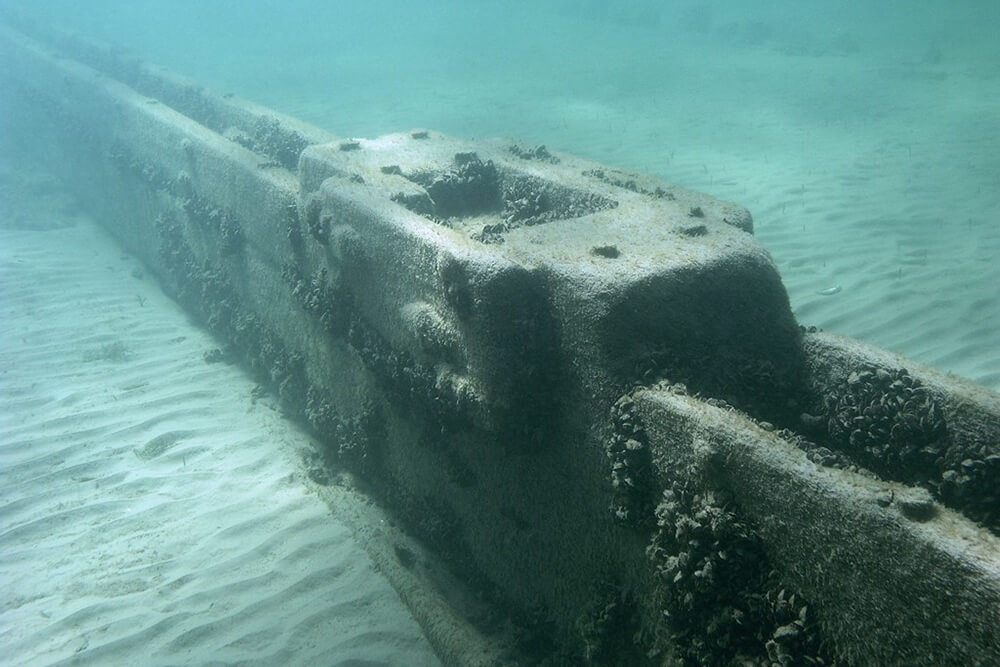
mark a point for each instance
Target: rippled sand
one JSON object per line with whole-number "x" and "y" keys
{"x": 154, "y": 512}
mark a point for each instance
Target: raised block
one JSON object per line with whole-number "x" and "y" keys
{"x": 491, "y": 262}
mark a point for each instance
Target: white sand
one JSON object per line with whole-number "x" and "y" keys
{"x": 152, "y": 511}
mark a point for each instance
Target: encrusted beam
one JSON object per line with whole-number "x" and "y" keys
{"x": 582, "y": 387}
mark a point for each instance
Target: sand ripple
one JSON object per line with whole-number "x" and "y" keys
{"x": 153, "y": 513}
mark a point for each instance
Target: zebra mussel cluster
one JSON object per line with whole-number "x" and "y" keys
{"x": 891, "y": 423}
{"x": 889, "y": 420}
{"x": 631, "y": 465}
{"x": 721, "y": 600}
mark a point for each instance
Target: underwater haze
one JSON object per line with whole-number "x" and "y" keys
{"x": 863, "y": 136}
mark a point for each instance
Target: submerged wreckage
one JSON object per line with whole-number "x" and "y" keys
{"x": 582, "y": 389}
